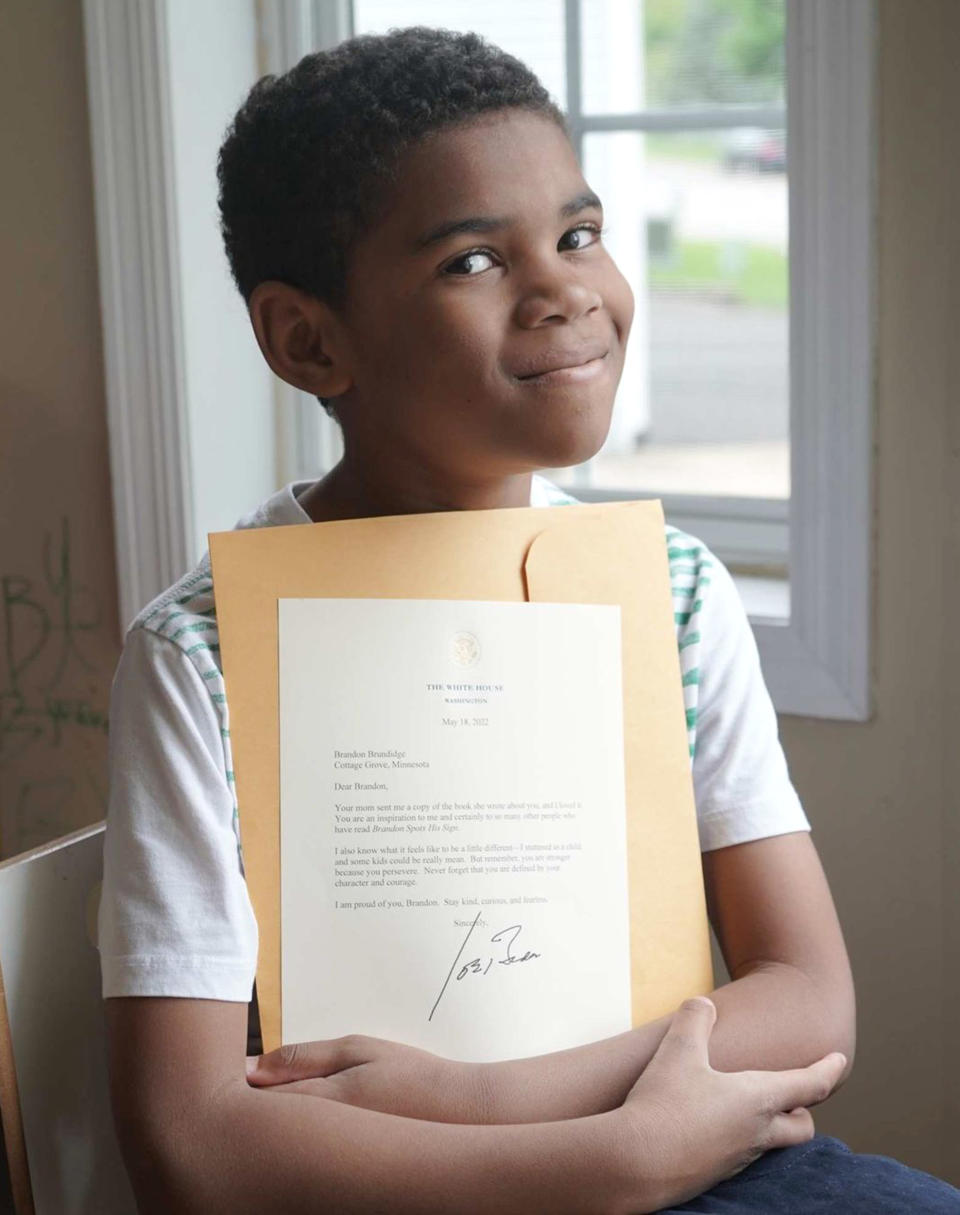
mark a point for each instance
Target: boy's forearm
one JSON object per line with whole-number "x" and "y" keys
{"x": 265, "y": 1151}
{"x": 774, "y": 1017}
{"x": 777, "y": 1016}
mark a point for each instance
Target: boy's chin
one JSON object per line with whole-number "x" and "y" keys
{"x": 565, "y": 448}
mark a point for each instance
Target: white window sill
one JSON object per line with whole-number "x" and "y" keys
{"x": 766, "y": 600}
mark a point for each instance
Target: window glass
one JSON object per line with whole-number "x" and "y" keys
{"x": 532, "y": 30}
{"x": 699, "y": 226}
{"x": 685, "y": 53}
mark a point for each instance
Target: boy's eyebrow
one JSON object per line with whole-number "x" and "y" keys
{"x": 482, "y": 223}
{"x": 582, "y": 202}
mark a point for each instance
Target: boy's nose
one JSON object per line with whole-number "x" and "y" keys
{"x": 562, "y": 300}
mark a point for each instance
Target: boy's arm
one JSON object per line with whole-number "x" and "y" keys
{"x": 197, "y": 1138}
{"x": 790, "y": 1002}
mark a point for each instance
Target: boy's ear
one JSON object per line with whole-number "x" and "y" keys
{"x": 301, "y": 338}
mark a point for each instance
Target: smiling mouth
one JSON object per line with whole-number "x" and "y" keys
{"x": 583, "y": 370}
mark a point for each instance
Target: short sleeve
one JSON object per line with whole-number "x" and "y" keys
{"x": 175, "y": 916}
{"x": 741, "y": 782}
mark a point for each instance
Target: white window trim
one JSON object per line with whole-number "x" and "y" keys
{"x": 818, "y": 662}
{"x": 130, "y": 120}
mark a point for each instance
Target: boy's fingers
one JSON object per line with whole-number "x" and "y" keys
{"x": 791, "y": 1129}
{"x": 807, "y": 1086}
{"x": 295, "y": 1061}
{"x": 690, "y": 1027}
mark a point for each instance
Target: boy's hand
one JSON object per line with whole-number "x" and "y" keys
{"x": 372, "y": 1073}
{"x": 696, "y": 1126}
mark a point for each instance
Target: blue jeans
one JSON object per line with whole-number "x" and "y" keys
{"x": 823, "y": 1177}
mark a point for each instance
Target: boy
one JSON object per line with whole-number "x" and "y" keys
{"x": 418, "y": 249}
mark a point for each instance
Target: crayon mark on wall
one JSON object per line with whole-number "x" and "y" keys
{"x": 53, "y": 699}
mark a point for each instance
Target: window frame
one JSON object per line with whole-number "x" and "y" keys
{"x": 816, "y": 661}
{"x": 816, "y": 657}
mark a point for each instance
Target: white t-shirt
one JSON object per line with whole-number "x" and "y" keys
{"x": 175, "y": 915}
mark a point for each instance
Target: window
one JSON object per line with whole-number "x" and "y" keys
{"x": 815, "y": 647}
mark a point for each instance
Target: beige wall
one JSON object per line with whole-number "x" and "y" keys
{"x": 883, "y": 796}
{"x": 58, "y": 617}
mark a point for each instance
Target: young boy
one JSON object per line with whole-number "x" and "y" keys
{"x": 407, "y": 222}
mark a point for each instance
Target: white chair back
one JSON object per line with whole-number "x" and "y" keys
{"x": 62, "y": 1152}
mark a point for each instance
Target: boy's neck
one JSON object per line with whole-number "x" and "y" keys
{"x": 346, "y": 493}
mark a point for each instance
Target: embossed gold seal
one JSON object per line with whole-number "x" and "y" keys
{"x": 465, "y": 649}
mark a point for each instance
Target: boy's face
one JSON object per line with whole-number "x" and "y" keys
{"x": 496, "y": 348}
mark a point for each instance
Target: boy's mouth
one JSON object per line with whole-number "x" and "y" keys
{"x": 580, "y": 365}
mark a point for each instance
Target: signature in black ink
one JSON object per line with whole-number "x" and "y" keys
{"x": 476, "y": 966}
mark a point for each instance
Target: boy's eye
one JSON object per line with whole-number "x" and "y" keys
{"x": 469, "y": 263}
{"x": 475, "y": 261}
{"x": 585, "y": 234}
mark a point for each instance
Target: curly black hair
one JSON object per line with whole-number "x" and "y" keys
{"x": 307, "y": 162}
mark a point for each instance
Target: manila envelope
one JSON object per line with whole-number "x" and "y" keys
{"x": 612, "y": 553}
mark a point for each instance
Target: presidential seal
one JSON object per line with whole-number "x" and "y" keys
{"x": 465, "y": 649}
